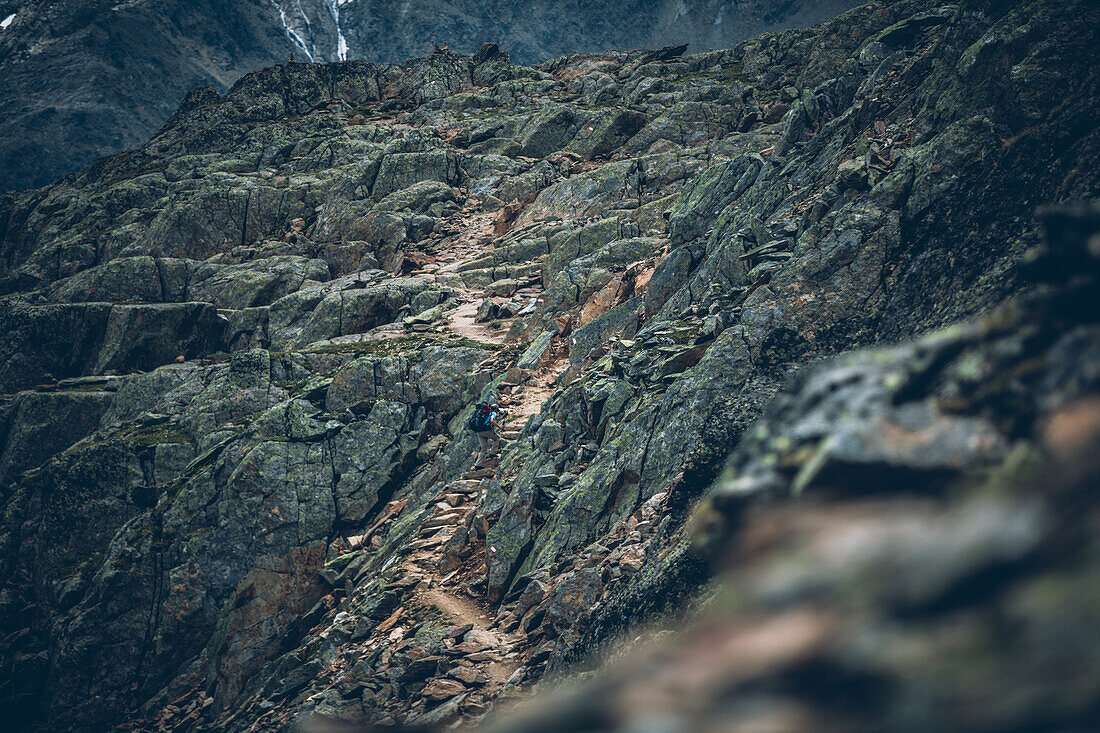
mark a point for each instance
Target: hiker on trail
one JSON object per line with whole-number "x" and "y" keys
{"x": 484, "y": 423}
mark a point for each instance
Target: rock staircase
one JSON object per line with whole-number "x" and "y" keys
{"x": 446, "y": 571}
{"x": 459, "y": 500}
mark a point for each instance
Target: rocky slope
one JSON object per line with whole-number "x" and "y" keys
{"x": 237, "y": 364}
{"x": 87, "y": 78}
{"x": 937, "y": 570}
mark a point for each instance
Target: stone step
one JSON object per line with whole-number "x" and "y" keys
{"x": 443, "y": 520}
{"x": 435, "y": 540}
{"x": 465, "y": 486}
{"x": 459, "y": 512}
{"x": 426, "y": 561}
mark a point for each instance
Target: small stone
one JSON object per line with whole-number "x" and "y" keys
{"x": 487, "y": 311}
{"x": 442, "y": 689}
{"x": 425, "y": 318}
{"x": 466, "y": 675}
{"x": 444, "y": 520}
{"x": 517, "y": 676}
{"x": 507, "y": 621}
{"x": 420, "y": 669}
{"x": 480, "y": 636}
{"x": 505, "y": 286}
{"x": 546, "y": 479}
{"x": 632, "y": 560}
{"x": 541, "y": 653}
{"x": 432, "y": 719}
{"x": 458, "y": 631}
{"x": 474, "y": 707}
{"x": 853, "y": 173}
{"x": 389, "y": 622}
{"x": 470, "y": 647}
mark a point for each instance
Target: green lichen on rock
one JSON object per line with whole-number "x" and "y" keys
{"x": 238, "y": 364}
{"x": 165, "y": 433}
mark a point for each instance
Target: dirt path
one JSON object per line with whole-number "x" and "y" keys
{"x": 462, "y": 321}
{"x": 536, "y": 391}
{"x": 472, "y": 240}
{"x": 459, "y": 609}
{"x": 470, "y": 237}
{"x": 462, "y": 612}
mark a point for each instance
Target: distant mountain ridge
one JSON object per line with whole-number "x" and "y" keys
{"x": 87, "y": 78}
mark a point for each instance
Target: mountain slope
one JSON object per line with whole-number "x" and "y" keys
{"x": 87, "y": 78}
{"x": 238, "y": 361}
{"x": 905, "y": 542}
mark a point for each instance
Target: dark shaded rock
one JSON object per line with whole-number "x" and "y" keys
{"x": 607, "y": 134}
{"x": 442, "y": 689}
{"x": 141, "y": 337}
{"x": 163, "y": 556}
{"x": 105, "y": 338}
{"x": 441, "y": 714}
{"x": 568, "y": 605}
{"x": 268, "y": 600}
{"x": 30, "y": 348}
{"x": 41, "y": 425}
{"x": 421, "y": 669}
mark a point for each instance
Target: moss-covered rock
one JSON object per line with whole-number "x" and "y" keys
{"x": 674, "y": 238}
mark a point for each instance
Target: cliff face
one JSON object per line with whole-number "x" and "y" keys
{"x": 238, "y": 363}
{"x": 87, "y": 78}
{"x": 905, "y": 542}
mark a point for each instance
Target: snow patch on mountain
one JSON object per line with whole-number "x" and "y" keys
{"x": 292, "y": 34}
{"x": 341, "y": 42}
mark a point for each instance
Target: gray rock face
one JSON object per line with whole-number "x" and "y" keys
{"x": 34, "y": 433}
{"x": 96, "y": 338}
{"x": 238, "y": 363}
{"x": 838, "y": 548}
{"x": 101, "y": 106}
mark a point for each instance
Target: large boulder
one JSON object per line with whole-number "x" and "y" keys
{"x": 255, "y": 283}
{"x": 142, "y": 337}
{"x": 43, "y": 424}
{"x": 30, "y": 347}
